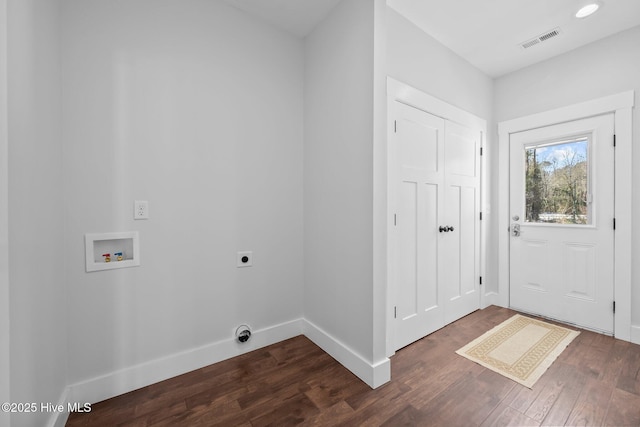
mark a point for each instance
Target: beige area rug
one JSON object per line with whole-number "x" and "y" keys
{"x": 520, "y": 348}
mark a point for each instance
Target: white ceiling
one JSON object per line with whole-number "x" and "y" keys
{"x": 298, "y": 17}
{"x": 486, "y": 33}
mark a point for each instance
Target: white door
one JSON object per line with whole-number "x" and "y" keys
{"x": 436, "y": 235}
{"x": 418, "y": 148}
{"x": 562, "y": 219}
{"x": 460, "y": 252}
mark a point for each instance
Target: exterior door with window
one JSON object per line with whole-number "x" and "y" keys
{"x": 562, "y": 222}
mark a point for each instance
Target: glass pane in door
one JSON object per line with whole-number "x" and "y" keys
{"x": 557, "y": 182}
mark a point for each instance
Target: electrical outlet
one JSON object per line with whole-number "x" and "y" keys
{"x": 245, "y": 259}
{"x": 140, "y": 209}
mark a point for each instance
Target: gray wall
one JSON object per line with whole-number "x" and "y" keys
{"x": 338, "y": 170}
{"x": 38, "y": 303}
{"x": 195, "y": 107}
{"x": 5, "y": 329}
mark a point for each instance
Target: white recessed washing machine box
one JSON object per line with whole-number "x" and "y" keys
{"x": 109, "y": 251}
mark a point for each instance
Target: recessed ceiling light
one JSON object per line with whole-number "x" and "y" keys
{"x": 587, "y": 10}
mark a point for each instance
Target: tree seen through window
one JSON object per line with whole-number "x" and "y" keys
{"x": 557, "y": 184}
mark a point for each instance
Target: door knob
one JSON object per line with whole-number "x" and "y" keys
{"x": 515, "y": 230}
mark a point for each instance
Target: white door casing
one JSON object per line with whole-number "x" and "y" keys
{"x": 561, "y": 264}
{"x": 434, "y": 182}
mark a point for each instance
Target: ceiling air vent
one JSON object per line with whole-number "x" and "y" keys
{"x": 541, "y": 38}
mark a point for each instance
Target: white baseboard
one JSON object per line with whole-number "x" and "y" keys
{"x": 132, "y": 378}
{"x": 59, "y": 419}
{"x": 635, "y": 334}
{"x": 491, "y": 298}
{"x": 144, "y": 374}
{"x": 374, "y": 374}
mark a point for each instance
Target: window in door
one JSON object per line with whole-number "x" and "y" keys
{"x": 557, "y": 189}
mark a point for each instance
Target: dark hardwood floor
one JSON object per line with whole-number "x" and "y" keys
{"x": 595, "y": 381}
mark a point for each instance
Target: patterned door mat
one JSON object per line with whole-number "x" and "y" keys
{"x": 519, "y": 348}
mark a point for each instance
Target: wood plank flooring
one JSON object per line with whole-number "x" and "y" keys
{"x": 595, "y": 381}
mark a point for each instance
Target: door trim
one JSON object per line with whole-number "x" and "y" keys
{"x": 401, "y": 92}
{"x": 621, "y": 106}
